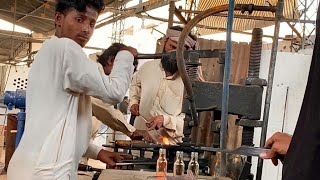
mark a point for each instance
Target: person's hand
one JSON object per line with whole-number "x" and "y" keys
{"x": 134, "y": 109}
{"x": 141, "y": 134}
{"x": 279, "y": 145}
{"x": 110, "y": 158}
{"x": 132, "y": 50}
{"x": 156, "y": 122}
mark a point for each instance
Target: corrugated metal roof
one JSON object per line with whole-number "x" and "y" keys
{"x": 35, "y": 15}
{"x": 9, "y": 45}
{"x": 242, "y": 24}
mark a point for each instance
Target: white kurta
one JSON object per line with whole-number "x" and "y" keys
{"x": 157, "y": 94}
{"x": 58, "y": 122}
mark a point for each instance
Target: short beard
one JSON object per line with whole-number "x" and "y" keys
{"x": 169, "y": 65}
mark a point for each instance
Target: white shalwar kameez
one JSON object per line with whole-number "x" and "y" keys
{"x": 58, "y": 122}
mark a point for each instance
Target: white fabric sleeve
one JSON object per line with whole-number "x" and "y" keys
{"x": 175, "y": 124}
{"x": 82, "y": 75}
{"x": 92, "y": 151}
{"x": 135, "y": 90}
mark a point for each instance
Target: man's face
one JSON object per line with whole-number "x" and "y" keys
{"x": 78, "y": 26}
{"x": 170, "y": 45}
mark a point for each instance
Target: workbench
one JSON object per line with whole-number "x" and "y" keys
{"x": 113, "y": 174}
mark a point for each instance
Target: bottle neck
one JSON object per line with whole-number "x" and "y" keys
{"x": 162, "y": 156}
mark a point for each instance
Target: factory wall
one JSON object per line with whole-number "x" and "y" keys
{"x": 289, "y": 84}
{"x": 16, "y": 78}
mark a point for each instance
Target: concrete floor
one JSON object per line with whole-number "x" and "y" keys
{"x": 3, "y": 176}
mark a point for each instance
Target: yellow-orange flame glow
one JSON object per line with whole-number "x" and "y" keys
{"x": 165, "y": 141}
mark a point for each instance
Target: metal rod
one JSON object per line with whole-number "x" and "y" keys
{"x": 294, "y": 30}
{"x": 171, "y": 13}
{"x": 239, "y": 16}
{"x": 13, "y": 29}
{"x": 35, "y": 40}
{"x": 225, "y": 94}
{"x": 179, "y": 16}
{"x": 304, "y": 25}
{"x": 25, "y": 14}
{"x": 270, "y": 84}
{"x": 206, "y": 27}
{"x": 33, "y": 11}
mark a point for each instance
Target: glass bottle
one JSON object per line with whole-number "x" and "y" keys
{"x": 217, "y": 167}
{"x": 162, "y": 163}
{"x": 193, "y": 165}
{"x": 178, "y": 167}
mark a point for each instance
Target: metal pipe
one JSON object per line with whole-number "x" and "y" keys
{"x": 179, "y": 16}
{"x": 13, "y": 28}
{"x": 149, "y": 56}
{"x": 180, "y": 56}
{"x": 25, "y": 14}
{"x": 239, "y": 16}
{"x": 205, "y": 27}
{"x": 270, "y": 84}
{"x": 171, "y": 13}
{"x": 304, "y": 25}
{"x": 20, "y": 126}
{"x": 225, "y": 94}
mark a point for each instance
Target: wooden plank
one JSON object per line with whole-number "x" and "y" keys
{"x": 214, "y": 73}
{"x": 10, "y": 138}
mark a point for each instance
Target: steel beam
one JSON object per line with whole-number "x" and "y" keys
{"x": 206, "y": 27}
{"x": 272, "y": 66}
{"x": 294, "y": 30}
{"x": 146, "y": 6}
{"x": 20, "y": 13}
{"x": 237, "y": 16}
{"x": 179, "y": 16}
{"x": 23, "y": 17}
{"x": 172, "y": 8}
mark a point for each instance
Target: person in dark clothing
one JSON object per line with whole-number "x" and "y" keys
{"x": 303, "y": 156}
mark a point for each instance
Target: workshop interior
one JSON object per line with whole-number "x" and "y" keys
{"x": 253, "y": 55}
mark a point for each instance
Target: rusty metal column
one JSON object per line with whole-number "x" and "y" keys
{"x": 171, "y": 13}
{"x": 274, "y": 52}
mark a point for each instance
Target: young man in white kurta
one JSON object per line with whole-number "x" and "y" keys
{"x": 58, "y": 124}
{"x": 58, "y": 107}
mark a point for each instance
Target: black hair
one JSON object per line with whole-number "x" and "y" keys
{"x": 64, "y": 6}
{"x": 112, "y": 51}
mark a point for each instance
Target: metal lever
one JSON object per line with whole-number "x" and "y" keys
{"x": 172, "y": 55}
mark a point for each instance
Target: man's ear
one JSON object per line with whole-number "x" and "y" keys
{"x": 110, "y": 60}
{"x": 58, "y": 19}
